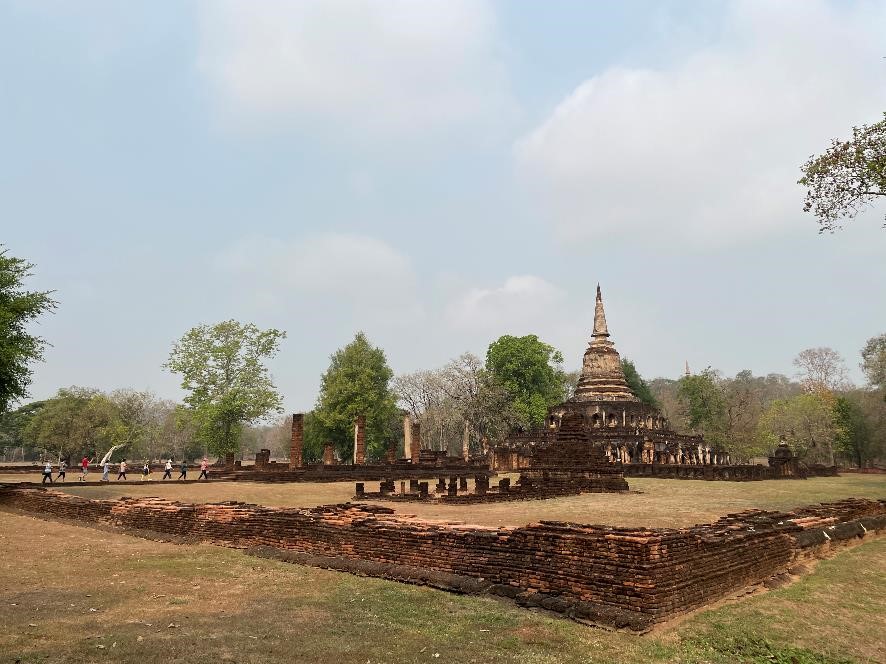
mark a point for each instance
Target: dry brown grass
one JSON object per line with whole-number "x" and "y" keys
{"x": 75, "y": 594}
{"x": 652, "y": 503}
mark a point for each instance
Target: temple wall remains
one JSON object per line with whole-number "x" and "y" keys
{"x": 623, "y": 577}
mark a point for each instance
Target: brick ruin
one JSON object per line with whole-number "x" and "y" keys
{"x": 417, "y": 463}
{"x": 569, "y": 466}
{"x": 631, "y": 433}
{"x": 619, "y": 577}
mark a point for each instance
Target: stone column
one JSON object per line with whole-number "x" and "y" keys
{"x": 391, "y": 452}
{"x": 415, "y": 448}
{"x": 407, "y": 436}
{"x": 328, "y": 454}
{"x": 298, "y": 440}
{"x": 465, "y": 442}
{"x": 360, "y": 440}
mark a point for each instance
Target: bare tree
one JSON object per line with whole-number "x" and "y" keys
{"x": 821, "y": 370}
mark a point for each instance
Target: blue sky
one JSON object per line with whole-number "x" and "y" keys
{"x": 436, "y": 174}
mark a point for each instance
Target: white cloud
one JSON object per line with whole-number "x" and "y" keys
{"x": 362, "y": 66}
{"x": 516, "y": 306}
{"x": 708, "y": 151}
{"x": 347, "y": 267}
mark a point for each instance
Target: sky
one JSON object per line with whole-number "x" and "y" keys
{"x": 436, "y": 174}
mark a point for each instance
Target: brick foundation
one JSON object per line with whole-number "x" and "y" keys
{"x": 622, "y": 577}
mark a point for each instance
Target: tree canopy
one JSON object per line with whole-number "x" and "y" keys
{"x": 222, "y": 369}
{"x": 75, "y": 421}
{"x": 357, "y": 382}
{"x": 638, "y": 386}
{"x": 873, "y": 361}
{"x": 847, "y": 177}
{"x": 18, "y": 348}
{"x": 530, "y": 370}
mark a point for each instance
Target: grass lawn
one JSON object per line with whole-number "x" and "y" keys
{"x": 74, "y": 594}
{"x": 659, "y": 503}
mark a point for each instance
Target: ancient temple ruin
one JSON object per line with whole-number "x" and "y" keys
{"x": 610, "y": 415}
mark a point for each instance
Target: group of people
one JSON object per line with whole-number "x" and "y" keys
{"x": 123, "y": 468}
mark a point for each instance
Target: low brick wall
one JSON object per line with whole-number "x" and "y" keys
{"x": 623, "y": 577}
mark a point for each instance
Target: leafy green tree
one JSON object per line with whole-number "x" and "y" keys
{"x": 357, "y": 382}
{"x": 229, "y": 386}
{"x": 76, "y": 421}
{"x": 18, "y": 348}
{"x": 806, "y": 421}
{"x": 638, "y": 386}
{"x": 847, "y": 177}
{"x": 530, "y": 370}
{"x": 12, "y": 430}
{"x": 852, "y": 437}
{"x": 873, "y": 361}
{"x": 704, "y": 404}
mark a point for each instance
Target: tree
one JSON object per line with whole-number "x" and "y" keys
{"x": 806, "y": 421}
{"x": 229, "y": 386}
{"x": 357, "y": 382}
{"x": 76, "y": 421}
{"x": 873, "y": 361}
{"x": 704, "y": 404}
{"x": 13, "y": 424}
{"x": 530, "y": 370}
{"x": 821, "y": 370}
{"x": 852, "y": 436}
{"x": 638, "y": 386}
{"x": 847, "y": 177}
{"x": 18, "y": 348}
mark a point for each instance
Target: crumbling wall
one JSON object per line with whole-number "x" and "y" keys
{"x": 626, "y": 577}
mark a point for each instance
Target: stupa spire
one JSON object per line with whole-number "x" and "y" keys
{"x": 600, "y": 329}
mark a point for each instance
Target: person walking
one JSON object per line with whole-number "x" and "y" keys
{"x": 122, "y": 472}
{"x": 146, "y": 471}
{"x": 47, "y": 472}
{"x": 106, "y": 471}
{"x": 84, "y": 464}
{"x": 204, "y": 470}
{"x": 167, "y": 470}
{"x": 62, "y": 470}
{"x": 184, "y": 470}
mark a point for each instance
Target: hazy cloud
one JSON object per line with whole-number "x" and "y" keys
{"x": 364, "y": 66}
{"x": 708, "y": 151}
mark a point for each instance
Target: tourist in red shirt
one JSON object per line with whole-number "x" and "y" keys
{"x": 85, "y": 466}
{"x": 204, "y": 469}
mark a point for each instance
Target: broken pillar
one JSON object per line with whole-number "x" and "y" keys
{"x": 415, "y": 449}
{"x": 328, "y": 454}
{"x": 423, "y": 489}
{"x": 407, "y": 436}
{"x": 298, "y": 440}
{"x": 452, "y": 489}
{"x": 360, "y": 440}
{"x": 481, "y": 484}
{"x": 359, "y": 490}
{"x": 504, "y": 485}
{"x": 230, "y": 458}
{"x": 413, "y": 486}
{"x": 462, "y": 483}
{"x": 441, "y": 485}
{"x": 391, "y": 453}
{"x": 465, "y": 442}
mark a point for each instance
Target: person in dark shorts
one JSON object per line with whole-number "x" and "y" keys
{"x": 47, "y": 472}
{"x": 146, "y": 471}
{"x": 167, "y": 470}
{"x": 204, "y": 469}
{"x": 62, "y": 470}
{"x": 184, "y": 470}
{"x": 122, "y": 472}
